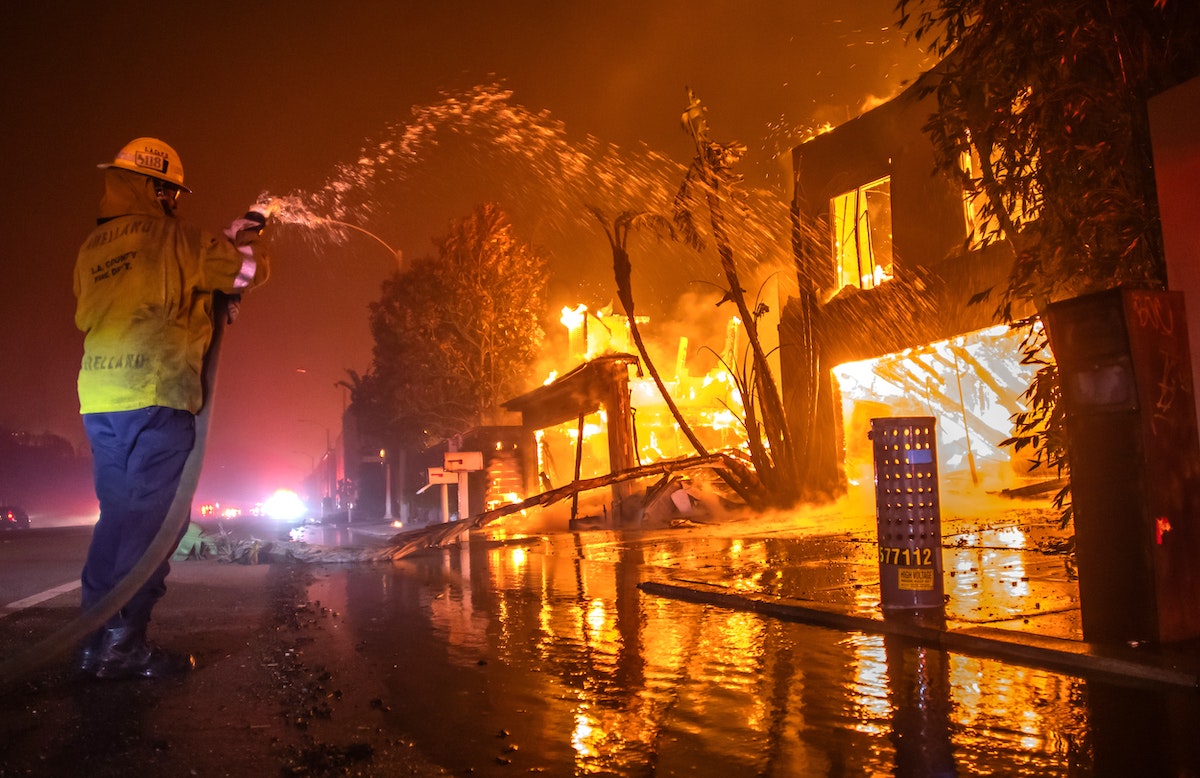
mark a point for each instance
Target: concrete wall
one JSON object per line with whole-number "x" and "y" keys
{"x": 1175, "y": 131}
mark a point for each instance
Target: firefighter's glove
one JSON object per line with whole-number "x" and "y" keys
{"x": 246, "y": 230}
{"x": 256, "y": 218}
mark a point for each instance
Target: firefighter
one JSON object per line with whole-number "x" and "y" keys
{"x": 144, "y": 287}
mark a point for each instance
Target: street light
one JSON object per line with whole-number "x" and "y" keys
{"x": 326, "y": 477}
{"x": 337, "y": 384}
{"x": 328, "y": 438}
{"x": 333, "y": 465}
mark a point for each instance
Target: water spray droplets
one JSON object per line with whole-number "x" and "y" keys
{"x": 484, "y": 115}
{"x": 533, "y": 168}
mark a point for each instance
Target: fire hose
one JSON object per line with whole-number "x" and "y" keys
{"x": 161, "y": 547}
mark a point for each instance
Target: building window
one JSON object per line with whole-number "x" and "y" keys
{"x": 980, "y": 232}
{"x": 1022, "y": 204}
{"x": 862, "y": 235}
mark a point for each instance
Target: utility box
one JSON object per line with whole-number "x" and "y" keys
{"x": 908, "y": 513}
{"x": 1126, "y": 379}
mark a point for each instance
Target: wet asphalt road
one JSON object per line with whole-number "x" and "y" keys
{"x": 247, "y": 709}
{"x": 540, "y": 655}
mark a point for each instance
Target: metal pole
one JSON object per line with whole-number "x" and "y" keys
{"x": 578, "y": 466}
{"x": 387, "y": 485}
{"x": 464, "y": 508}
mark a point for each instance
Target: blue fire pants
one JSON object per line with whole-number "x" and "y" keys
{"x": 138, "y": 458}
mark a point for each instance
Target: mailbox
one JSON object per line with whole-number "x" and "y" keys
{"x": 440, "y": 475}
{"x": 908, "y": 513}
{"x": 463, "y": 461}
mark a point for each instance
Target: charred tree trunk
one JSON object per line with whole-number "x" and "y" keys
{"x": 618, "y": 235}
{"x": 617, "y": 232}
{"x": 770, "y": 444}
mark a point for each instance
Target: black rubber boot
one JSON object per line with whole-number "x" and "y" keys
{"x": 89, "y": 651}
{"x": 125, "y": 653}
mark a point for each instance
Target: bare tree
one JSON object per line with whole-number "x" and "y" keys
{"x": 617, "y": 230}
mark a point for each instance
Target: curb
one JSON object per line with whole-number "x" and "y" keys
{"x": 1117, "y": 664}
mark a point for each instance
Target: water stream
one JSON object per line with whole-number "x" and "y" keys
{"x": 480, "y": 144}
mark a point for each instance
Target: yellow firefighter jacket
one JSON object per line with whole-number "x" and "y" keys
{"x": 143, "y": 290}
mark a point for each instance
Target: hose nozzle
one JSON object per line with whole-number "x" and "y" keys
{"x": 268, "y": 206}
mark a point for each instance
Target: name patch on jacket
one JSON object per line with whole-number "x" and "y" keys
{"x": 119, "y": 231}
{"x": 116, "y": 362}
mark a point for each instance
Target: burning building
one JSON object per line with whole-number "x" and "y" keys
{"x": 607, "y": 415}
{"x": 894, "y": 320}
{"x": 604, "y": 415}
{"x": 894, "y": 317}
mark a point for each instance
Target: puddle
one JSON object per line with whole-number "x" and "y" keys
{"x": 542, "y": 654}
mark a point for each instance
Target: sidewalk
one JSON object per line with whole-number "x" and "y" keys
{"x": 1011, "y": 594}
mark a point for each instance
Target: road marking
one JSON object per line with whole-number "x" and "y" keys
{"x": 35, "y": 599}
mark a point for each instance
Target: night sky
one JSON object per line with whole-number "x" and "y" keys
{"x": 272, "y": 96}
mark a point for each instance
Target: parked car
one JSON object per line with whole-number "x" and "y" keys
{"x": 13, "y": 517}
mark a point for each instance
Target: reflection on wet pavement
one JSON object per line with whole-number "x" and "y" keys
{"x": 542, "y": 654}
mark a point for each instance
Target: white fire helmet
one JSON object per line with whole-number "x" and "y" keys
{"x": 150, "y": 157}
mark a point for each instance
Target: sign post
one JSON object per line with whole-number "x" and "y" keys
{"x": 438, "y": 475}
{"x": 461, "y": 463}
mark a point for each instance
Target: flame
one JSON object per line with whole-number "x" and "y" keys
{"x": 1162, "y": 525}
{"x": 573, "y": 317}
{"x": 970, "y": 384}
{"x": 709, "y": 401}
